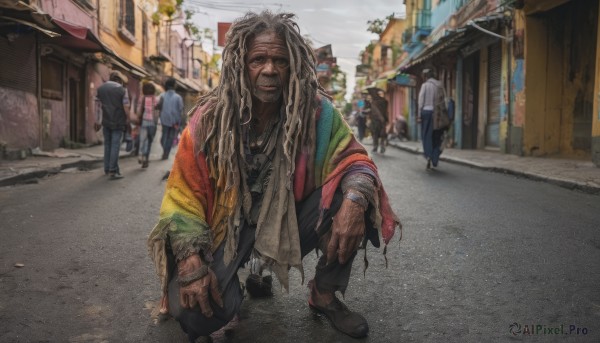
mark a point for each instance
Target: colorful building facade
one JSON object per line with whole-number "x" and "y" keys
{"x": 57, "y": 53}
{"x": 523, "y": 74}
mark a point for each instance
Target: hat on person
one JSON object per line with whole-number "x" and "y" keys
{"x": 117, "y": 74}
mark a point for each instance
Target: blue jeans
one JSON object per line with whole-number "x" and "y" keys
{"x": 166, "y": 140}
{"x": 432, "y": 139}
{"x": 112, "y": 145}
{"x": 147, "y": 134}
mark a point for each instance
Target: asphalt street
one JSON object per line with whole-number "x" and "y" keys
{"x": 484, "y": 257}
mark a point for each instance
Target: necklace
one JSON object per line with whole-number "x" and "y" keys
{"x": 258, "y": 142}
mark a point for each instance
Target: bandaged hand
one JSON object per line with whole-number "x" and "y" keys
{"x": 197, "y": 282}
{"x": 348, "y": 230}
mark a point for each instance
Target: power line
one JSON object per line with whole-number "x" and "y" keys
{"x": 232, "y": 5}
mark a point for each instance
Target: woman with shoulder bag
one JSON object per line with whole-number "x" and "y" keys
{"x": 148, "y": 118}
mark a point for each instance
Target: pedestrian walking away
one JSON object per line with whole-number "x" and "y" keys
{"x": 148, "y": 115}
{"x": 433, "y": 117}
{"x": 171, "y": 112}
{"x": 114, "y": 100}
{"x": 266, "y": 169}
{"x": 379, "y": 119}
{"x": 364, "y": 109}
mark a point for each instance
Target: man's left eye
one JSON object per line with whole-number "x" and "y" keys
{"x": 282, "y": 63}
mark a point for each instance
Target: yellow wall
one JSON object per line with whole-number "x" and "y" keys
{"x": 393, "y": 33}
{"x": 109, "y": 22}
{"x": 535, "y": 81}
{"x": 556, "y": 85}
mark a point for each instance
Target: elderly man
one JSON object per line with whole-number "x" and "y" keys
{"x": 266, "y": 168}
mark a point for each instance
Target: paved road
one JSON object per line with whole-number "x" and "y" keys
{"x": 480, "y": 252}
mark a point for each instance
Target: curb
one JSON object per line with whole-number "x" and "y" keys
{"x": 568, "y": 184}
{"x": 87, "y": 162}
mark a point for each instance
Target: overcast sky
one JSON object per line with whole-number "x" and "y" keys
{"x": 341, "y": 23}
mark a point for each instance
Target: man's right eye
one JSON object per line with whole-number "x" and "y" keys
{"x": 258, "y": 60}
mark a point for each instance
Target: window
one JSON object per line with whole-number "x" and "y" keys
{"x": 86, "y": 3}
{"x": 127, "y": 21}
{"x": 52, "y": 79}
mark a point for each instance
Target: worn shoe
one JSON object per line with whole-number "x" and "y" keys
{"x": 351, "y": 323}
{"x": 258, "y": 286}
{"x": 115, "y": 176}
{"x": 428, "y": 164}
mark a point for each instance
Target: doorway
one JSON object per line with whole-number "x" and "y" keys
{"x": 470, "y": 101}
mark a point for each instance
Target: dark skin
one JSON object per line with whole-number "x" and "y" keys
{"x": 268, "y": 73}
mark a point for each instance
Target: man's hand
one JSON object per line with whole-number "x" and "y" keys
{"x": 196, "y": 291}
{"x": 347, "y": 232}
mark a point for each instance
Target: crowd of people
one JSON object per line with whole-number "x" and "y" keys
{"x": 137, "y": 123}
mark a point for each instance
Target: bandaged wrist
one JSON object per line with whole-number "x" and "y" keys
{"x": 198, "y": 274}
{"x": 357, "y": 198}
{"x": 360, "y": 183}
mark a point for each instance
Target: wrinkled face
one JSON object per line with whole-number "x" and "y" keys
{"x": 268, "y": 67}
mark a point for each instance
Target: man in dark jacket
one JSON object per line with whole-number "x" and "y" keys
{"x": 115, "y": 113}
{"x": 379, "y": 119}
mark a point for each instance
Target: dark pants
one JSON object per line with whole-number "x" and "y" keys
{"x": 112, "y": 145}
{"x": 330, "y": 277}
{"x": 432, "y": 139}
{"x": 362, "y": 126}
{"x": 166, "y": 140}
{"x": 146, "y": 137}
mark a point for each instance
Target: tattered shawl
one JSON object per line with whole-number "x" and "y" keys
{"x": 197, "y": 214}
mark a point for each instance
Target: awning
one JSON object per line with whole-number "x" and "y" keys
{"x": 405, "y": 80}
{"x": 185, "y": 84}
{"x": 77, "y": 38}
{"x": 47, "y": 32}
{"x": 128, "y": 66}
{"x": 451, "y": 42}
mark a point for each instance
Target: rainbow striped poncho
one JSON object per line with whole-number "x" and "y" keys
{"x": 195, "y": 212}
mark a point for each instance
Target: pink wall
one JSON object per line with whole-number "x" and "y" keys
{"x": 58, "y": 125}
{"x": 19, "y": 123}
{"x": 69, "y": 11}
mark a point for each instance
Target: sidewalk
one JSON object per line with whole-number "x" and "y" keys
{"x": 573, "y": 174}
{"x": 42, "y": 164}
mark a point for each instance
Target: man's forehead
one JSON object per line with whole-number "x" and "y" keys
{"x": 267, "y": 39}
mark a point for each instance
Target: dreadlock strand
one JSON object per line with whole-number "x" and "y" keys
{"x": 228, "y": 108}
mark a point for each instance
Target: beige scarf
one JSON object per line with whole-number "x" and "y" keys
{"x": 277, "y": 238}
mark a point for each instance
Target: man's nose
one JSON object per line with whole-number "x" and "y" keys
{"x": 269, "y": 67}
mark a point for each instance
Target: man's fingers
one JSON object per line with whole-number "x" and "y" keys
{"x": 342, "y": 250}
{"x": 204, "y": 304}
{"x": 214, "y": 289}
{"x": 332, "y": 248}
{"x": 183, "y": 299}
{"x": 192, "y": 300}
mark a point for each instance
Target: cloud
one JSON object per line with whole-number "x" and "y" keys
{"x": 341, "y": 23}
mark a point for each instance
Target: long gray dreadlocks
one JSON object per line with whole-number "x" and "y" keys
{"x": 228, "y": 107}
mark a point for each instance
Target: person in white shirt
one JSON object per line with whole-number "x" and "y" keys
{"x": 431, "y": 95}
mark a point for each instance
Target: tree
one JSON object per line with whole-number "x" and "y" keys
{"x": 378, "y": 25}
